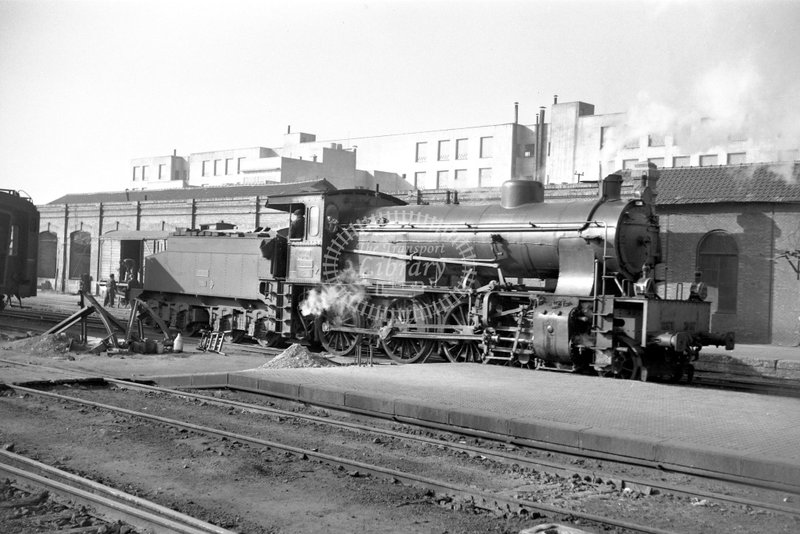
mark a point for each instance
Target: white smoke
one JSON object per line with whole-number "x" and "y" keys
{"x": 730, "y": 103}
{"x": 345, "y": 293}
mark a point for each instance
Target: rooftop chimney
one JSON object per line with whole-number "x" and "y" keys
{"x": 289, "y": 129}
{"x": 555, "y": 99}
{"x": 516, "y": 112}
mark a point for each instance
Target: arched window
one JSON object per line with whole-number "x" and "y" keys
{"x": 718, "y": 260}
{"x": 80, "y": 253}
{"x": 48, "y": 247}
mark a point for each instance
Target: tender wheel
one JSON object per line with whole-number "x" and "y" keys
{"x": 401, "y": 314}
{"x": 271, "y": 339}
{"x": 335, "y": 341}
{"x": 234, "y": 336}
{"x": 193, "y": 329}
{"x": 460, "y": 351}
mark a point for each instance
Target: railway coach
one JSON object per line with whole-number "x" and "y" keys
{"x": 19, "y": 232}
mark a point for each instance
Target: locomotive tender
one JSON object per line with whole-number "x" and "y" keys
{"x": 560, "y": 284}
{"x": 19, "y": 235}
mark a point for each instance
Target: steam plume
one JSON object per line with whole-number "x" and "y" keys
{"x": 345, "y": 293}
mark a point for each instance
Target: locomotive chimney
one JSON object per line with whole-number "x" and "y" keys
{"x": 648, "y": 172}
{"x": 611, "y": 187}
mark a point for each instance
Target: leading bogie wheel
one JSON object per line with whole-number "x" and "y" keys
{"x": 626, "y": 363}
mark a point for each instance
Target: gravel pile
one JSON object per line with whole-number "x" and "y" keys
{"x": 49, "y": 345}
{"x": 297, "y": 356}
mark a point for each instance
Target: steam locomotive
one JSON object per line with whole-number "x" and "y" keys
{"x": 537, "y": 284}
{"x": 19, "y": 233}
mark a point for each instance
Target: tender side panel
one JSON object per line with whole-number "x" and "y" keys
{"x": 220, "y": 266}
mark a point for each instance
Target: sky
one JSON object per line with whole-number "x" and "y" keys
{"x": 86, "y": 86}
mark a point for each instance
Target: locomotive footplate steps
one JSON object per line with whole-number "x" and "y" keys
{"x": 212, "y": 342}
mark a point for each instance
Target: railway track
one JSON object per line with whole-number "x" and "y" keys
{"x": 106, "y": 503}
{"x": 563, "y": 468}
{"x": 502, "y": 439}
{"x": 483, "y": 499}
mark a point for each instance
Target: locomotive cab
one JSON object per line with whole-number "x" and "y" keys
{"x": 303, "y": 235}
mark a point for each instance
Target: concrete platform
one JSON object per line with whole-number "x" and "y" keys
{"x": 725, "y": 432}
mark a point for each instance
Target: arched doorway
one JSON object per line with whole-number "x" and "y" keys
{"x": 80, "y": 254}
{"x": 48, "y": 255}
{"x": 718, "y": 261}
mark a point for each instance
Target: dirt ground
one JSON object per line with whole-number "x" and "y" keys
{"x": 263, "y": 490}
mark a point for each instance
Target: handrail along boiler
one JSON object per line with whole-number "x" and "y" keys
{"x": 559, "y": 284}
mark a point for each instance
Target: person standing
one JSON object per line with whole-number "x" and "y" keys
{"x": 111, "y": 292}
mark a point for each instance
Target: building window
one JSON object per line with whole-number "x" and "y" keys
{"x": 529, "y": 151}
{"x": 48, "y": 252}
{"x": 239, "y": 165}
{"x": 229, "y": 166}
{"x": 461, "y": 176}
{"x": 718, "y": 261}
{"x": 708, "y": 160}
{"x": 144, "y": 172}
{"x": 655, "y": 140}
{"x": 486, "y": 147}
{"x": 461, "y": 149}
{"x": 419, "y": 180}
{"x": 484, "y": 177}
{"x": 631, "y": 143}
{"x": 206, "y": 167}
{"x": 162, "y": 171}
{"x": 658, "y": 162}
{"x": 444, "y": 150}
{"x": 629, "y": 163}
{"x": 217, "y": 167}
{"x": 736, "y": 158}
{"x": 135, "y": 173}
{"x": 442, "y": 179}
{"x": 680, "y": 161}
{"x": 422, "y": 149}
{"x": 606, "y": 134}
{"x": 80, "y": 253}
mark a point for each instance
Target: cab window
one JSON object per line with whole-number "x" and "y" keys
{"x": 313, "y": 221}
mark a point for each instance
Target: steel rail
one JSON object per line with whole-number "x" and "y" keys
{"x": 106, "y": 501}
{"x": 483, "y": 498}
{"x": 501, "y": 456}
{"x": 76, "y": 374}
